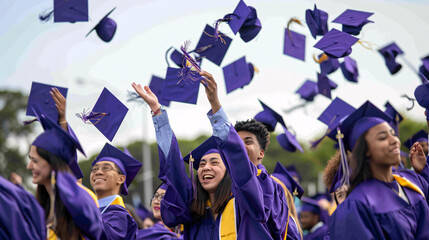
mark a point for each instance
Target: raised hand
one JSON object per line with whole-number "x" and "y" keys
{"x": 60, "y": 103}
{"x": 211, "y": 90}
{"x": 417, "y": 157}
{"x": 148, "y": 96}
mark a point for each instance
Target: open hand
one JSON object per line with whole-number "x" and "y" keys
{"x": 417, "y": 157}
{"x": 148, "y": 96}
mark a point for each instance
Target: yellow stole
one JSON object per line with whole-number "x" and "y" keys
{"x": 408, "y": 184}
{"x": 227, "y": 226}
{"x": 51, "y": 233}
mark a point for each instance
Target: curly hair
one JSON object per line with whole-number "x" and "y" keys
{"x": 255, "y": 127}
{"x": 332, "y": 167}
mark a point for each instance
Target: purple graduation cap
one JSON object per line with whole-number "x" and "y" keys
{"x": 424, "y": 68}
{"x": 349, "y": 69}
{"x": 336, "y": 182}
{"x": 213, "y": 46}
{"x": 244, "y": 20}
{"x": 21, "y": 216}
{"x": 293, "y": 171}
{"x": 155, "y": 86}
{"x": 106, "y": 28}
{"x": 420, "y": 136}
{"x": 336, "y": 44}
{"x": 237, "y": 74}
{"x": 288, "y": 141}
{"x": 395, "y": 115}
{"x": 283, "y": 175}
{"x": 294, "y": 44}
{"x": 58, "y": 142}
{"x": 177, "y": 88}
{"x": 308, "y": 90}
{"x": 143, "y": 212}
{"x": 329, "y": 66}
{"x": 317, "y": 21}
{"x": 310, "y": 205}
{"x": 177, "y": 58}
{"x": 324, "y": 85}
{"x": 353, "y": 21}
{"x": 128, "y": 165}
{"x": 269, "y": 117}
{"x": 210, "y": 145}
{"x": 389, "y": 53}
{"x": 40, "y": 96}
{"x": 421, "y": 93}
{"x": 107, "y": 114}
{"x": 68, "y": 11}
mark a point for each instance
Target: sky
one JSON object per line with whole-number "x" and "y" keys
{"x": 60, "y": 54}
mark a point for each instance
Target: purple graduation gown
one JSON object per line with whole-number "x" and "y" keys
{"x": 249, "y": 201}
{"x": 21, "y": 216}
{"x": 81, "y": 206}
{"x": 118, "y": 223}
{"x": 157, "y": 232}
{"x": 375, "y": 211}
{"x": 319, "y": 234}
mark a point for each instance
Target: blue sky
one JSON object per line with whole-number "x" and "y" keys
{"x": 59, "y": 54}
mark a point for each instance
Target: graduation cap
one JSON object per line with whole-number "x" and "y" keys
{"x": 283, "y": 175}
{"x": 155, "y": 85}
{"x": 421, "y": 93}
{"x": 288, "y": 141}
{"x": 310, "y": 205}
{"x": 389, "y": 53}
{"x": 424, "y": 68}
{"x": 269, "y": 117}
{"x": 237, "y": 74}
{"x": 128, "y": 165}
{"x": 317, "y": 21}
{"x": 395, "y": 115}
{"x": 211, "y": 145}
{"x": 294, "y": 44}
{"x": 107, "y": 114}
{"x": 177, "y": 88}
{"x": 22, "y": 217}
{"x": 106, "y": 28}
{"x": 40, "y": 96}
{"x": 324, "y": 85}
{"x": 336, "y": 44}
{"x": 293, "y": 171}
{"x": 244, "y": 20}
{"x": 420, "y": 136}
{"x": 68, "y": 11}
{"x": 353, "y": 21}
{"x": 81, "y": 205}
{"x": 177, "y": 58}
{"x": 58, "y": 142}
{"x": 308, "y": 90}
{"x": 349, "y": 69}
{"x": 218, "y": 45}
{"x": 329, "y": 65}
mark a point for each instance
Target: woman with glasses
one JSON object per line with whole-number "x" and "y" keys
{"x": 224, "y": 200}
{"x": 111, "y": 174}
{"x": 70, "y": 209}
{"x": 158, "y": 231}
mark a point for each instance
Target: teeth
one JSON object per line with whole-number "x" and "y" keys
{"x": 208, "y": 177}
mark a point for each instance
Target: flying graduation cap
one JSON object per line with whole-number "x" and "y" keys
{"x": 349, "y": 69}
{"x": 324, "y": 85}
{"x": 107, "y": 114}
{"x": 105, "y": 28}
{"x": 308, "y": 90}
{"x": 353, "y": 21}
{"x": 336, "y": 44}
{"x": 288, "y": 141}
{"x": 155, "y": 85}
{"x": 329, "y": 65}
{"x": 67, "y": 11}
{"x": 424, "y": 68}
{"x": 238, "y": 74}
{"x": 243, "y": 20}
{"x": 317, "y": 21}
{"x": 389, "y": 53}
{"x": 213, "y": 45}
{"x": 179, "y": 88}
{"x": 294, "y": 44}
{"x": 269, "y": 117}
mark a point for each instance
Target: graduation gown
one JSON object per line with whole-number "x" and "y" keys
{"x": 157, "y": 232}
{"x": 249, "y": 213}
{"x": 118, "y": 222}
{"x": 21, "y": 216}
{"x": 374, "y": 211}
{"x": 318, "y": 234}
